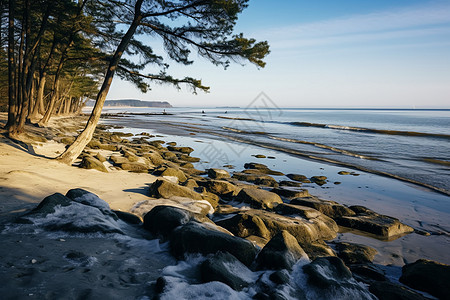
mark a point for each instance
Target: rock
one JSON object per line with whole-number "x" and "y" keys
{"x": 218, "y": 173}
{"x": 118, "y": 159}
{"x": 281, "y": 252}
{"x": 297, "y": 177}
{"x": 169, "y": 155}
{"x": 286, "y": 193}
{"x": 168, "y": 171}
{"x": 220, "y": 187}
{"x": 164, "y": 189}
{"x": 262, "y": 169}
{"x": 186, "y": 157}
{"x": 128, "y": 217}
{"x": 428, "y": 276}
{"x": 330, "y": 208}
{"x": 317, "y": 249}
{"x": 266, "y": 225}
{"x": 352, "y": 253}
{"x": 258, "y": 198}
{"x": 85, "y": 197}
{"x": 154, "y": 157}
{"x": 260, "y": 156}
{"x": 186, "y": 150}
{"x": 187, "y": 165}
{"x": 172, "y": 143}
{"x": 224, "y": 267}
{"x": 196, "y": 238}
{"x": 297, "y": 210}
{"x": 280, "y": 277}
{"x": 131, "y": 156}
{"x": 135, "y": 167}
{"x": 367, "y": 272}
{"x": 374, "y": 223}
{"x": 290, "y": 183}
{"x": 344, "y": 173}
{"x": 213, "y": 199}
{"x": 162, "y": 220}
{"x": 90, "y": 162}
{"x": 108, "y": 147}
{"x": 319, "y": 180}
{"x": 259, "y": 179}
{"x": 328, "y": 272}
{"x": 100, "y": 157}
{"x": 190, "y": 183}
{"x": 197, "y": 207}
{"x": 94, "y": 144}
{"x": 391, "y": 291}
{"x": 85, "y": 214}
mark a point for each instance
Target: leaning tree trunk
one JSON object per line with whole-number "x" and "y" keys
{"x": 74, "y": 150}
{"x": 39, "y": 104}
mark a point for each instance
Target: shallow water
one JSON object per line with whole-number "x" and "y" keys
{"x": 409, "y": 144}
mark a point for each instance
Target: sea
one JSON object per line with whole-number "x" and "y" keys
{"x": 411, "y": 145}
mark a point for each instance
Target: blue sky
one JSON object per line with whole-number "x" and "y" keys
{"x": 347, "y": 53}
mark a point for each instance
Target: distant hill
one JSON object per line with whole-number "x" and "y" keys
{"x": 133, "y": 103}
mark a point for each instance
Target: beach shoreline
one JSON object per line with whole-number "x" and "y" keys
{"x": 28, "y": 174}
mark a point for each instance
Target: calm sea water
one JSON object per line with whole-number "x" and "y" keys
{"x": 409, "y": 144}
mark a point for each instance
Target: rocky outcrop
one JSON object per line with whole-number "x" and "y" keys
{"x": 428, "y": 276}
{"x": 352, "y": 253}
{"x": 220, "y": 187}
{"x": 164, "y": 189}
{"x": 258, "y": 198}
{"x": 374, "y": 223}
{"x": 196, "y": 238}
{"x": 281, "y": 252}
{"x": 266, "y": 225}
{"x": 162, "y": 220}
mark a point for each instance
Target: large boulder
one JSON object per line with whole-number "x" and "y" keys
{"x": 168, "y": 171}
{"x": 165, "y": 189}
{"x": 297, "y": 177}
{"x": 258, "y": 198}
{"x": 352, "y": 253}
{"x": 135, "y": 167}
{"x": 162, "y": 220}
{"x": 197, "y": 238}
{"x": 330, "y": 277}
{"x": 266, "y": 225}
{"x": 281, "y": 252}
{"x": 369, "y": 221}
{"x": 220, "y": 187}
{"x": 118, "y": 159}
{"x": 154, "y": 157}
{"x": 428, "y": 276}
{"x": 329, "y": 208}
{"x": 90, "y": 162}
{"x": 218, "y": 173}
{"x": 224, "y": 267}
{"x": 297, "y": 210}
{"x": 85, "y": 214}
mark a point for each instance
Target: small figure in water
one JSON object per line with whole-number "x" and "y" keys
{"x": 226, "y": 111}
{"x": 203, "y": 112}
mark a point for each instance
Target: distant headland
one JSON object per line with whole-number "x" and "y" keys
{"x": 133, "y": 103}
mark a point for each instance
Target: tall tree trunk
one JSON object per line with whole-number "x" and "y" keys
{"x": 39, "y": 104}
{"x": 53, "y": 95}
{"x": 12, "y": 100}
{"x": 74, "y": 150}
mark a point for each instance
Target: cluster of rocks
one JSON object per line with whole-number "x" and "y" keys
{"x": 248, "y": 220}
{"x": 232, "y": 254}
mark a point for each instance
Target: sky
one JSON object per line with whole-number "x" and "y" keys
{"x": 347, "y": 53}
